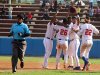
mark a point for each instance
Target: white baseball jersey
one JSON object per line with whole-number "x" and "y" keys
{"x": 63, "y": 32}
{"x": 50, "y": 30}
{"x": 73, "y": 35}
{"x": 87, "y": 31}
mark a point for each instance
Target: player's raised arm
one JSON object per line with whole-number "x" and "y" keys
{"x": 53, "y": 19}
{"x": 78, "y": 20}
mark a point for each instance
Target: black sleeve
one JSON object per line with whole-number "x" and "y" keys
{"x": 26, "y": 35}
{"x": 11, "y": 34}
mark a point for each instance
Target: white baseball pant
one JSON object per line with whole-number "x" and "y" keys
{"x": 72, "y": 52}
{"x": 62, "y": 45}
{"x": 48, "y": 44}
{"x": 85, "y": 48}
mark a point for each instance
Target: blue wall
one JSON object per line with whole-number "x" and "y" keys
{"x": 35, "y": 47}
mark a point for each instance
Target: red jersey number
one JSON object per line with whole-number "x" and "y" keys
{"x": 63, "y": 32}
{"x": 88, "y": 32}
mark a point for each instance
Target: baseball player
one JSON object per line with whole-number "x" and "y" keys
{"x": 86, "y": 31}
{"x": 74, "y": 44}
{"x": 69, "y": 22}
{"x": 48, "y": 41}
{"x": 62, "y": 42}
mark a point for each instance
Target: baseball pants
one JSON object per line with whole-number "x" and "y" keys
{"x": 48, "y": 44}
{"x": 62, "y": 45}
{"x": 18, "y": 51}
{"x": 72, "y": 52}
{"x": 85, "y": 48}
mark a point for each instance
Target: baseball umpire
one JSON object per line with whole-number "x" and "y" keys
{"x": 19, "y": 31}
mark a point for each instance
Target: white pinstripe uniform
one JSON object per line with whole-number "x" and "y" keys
{"x": 62, "y": 44}
{"x": 73, "y": 46}
{"x": 48, "y": 43}
{"x": 87, "y": 31}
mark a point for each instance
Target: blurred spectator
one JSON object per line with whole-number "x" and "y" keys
{"x": 25, "y": 19}
{"x": 55, "y": 6}
{"x": 47, "y": 4}
{"x": 60, "y": 3}
{"x": 46, "y": 14}
{"x": 78, "y": 10}
{"x": 5, "y": 1}
{"x": 98, "y": 2}
{"x": 67, "y": 4}
{"x": 91, "y": 3}
{"x": 72, "y": 1}
{"x": 51, "y": 8}
{"x": 72, "y": 10}
{"x": 97, "y": 12}
{"x": 19, "y": 1}
{"x": 43, "y": 6}
{"x": 10, "y": 9}
{"x": 29, "y": 16}
{"x": 80, "y": 3}
{"x": 3, "y": 12}
{"x": 91, "y": 11}
{"x": 41, "y": 2}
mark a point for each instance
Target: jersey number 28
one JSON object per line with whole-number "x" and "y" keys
{"x": 63, "y": 32}
{"x": 88, "y": 32}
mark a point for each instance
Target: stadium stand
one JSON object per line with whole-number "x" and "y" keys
{"x": 38, "y": 26}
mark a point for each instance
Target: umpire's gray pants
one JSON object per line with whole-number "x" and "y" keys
{"x": 18, "y": 51}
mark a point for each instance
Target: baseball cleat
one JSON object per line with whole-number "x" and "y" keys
{"x": 13, "y": 71}
{"x": 70, "y": 67}
{"x": 77, "y": 68}
{"x": 86, "y": 67}
{"x": 83, "y": 69}
{"x": 21, "y": 64}
{"x": 45, "y": 67}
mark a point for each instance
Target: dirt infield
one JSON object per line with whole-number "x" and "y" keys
{"x": 38, "y": 66}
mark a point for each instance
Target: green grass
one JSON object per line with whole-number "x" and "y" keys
{"x": 40, "y": 59}
{"x": 50, "y": 72}
{"x": 46, "y": 72}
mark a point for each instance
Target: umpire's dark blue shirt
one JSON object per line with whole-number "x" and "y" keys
{"x": 19, "y": 28}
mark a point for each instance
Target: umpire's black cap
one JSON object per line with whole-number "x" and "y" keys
{"x": 20, "y": 16}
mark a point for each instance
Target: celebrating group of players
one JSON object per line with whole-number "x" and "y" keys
{"x": 69, "y": 29}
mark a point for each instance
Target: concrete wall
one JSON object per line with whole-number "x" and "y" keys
{"x": 35, "y": 47}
